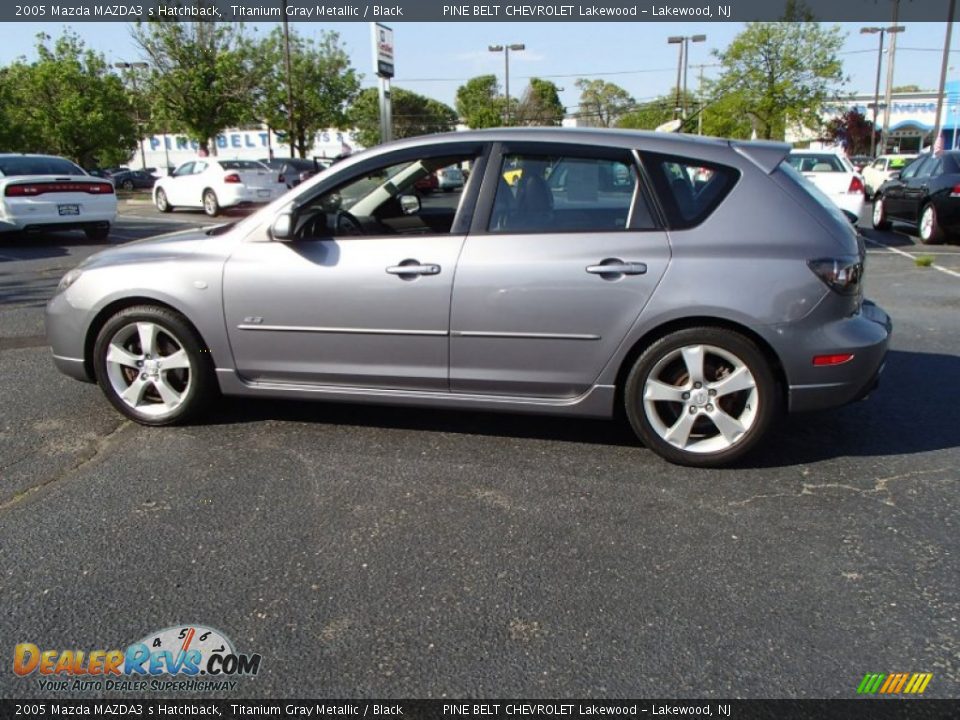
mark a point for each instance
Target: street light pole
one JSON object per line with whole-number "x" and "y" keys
{"x": 881, "y": 31}
{"x": 682, "y": 64}
{"x": 133, "y": 67}
{"x": 890, "y": 65}
{"x": 937, "y": 128}
{"x": 505, "y": 49}
{"x": 286, "y": 54}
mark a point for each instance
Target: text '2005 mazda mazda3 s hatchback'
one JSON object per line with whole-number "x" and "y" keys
{"x": 700, "y": 285}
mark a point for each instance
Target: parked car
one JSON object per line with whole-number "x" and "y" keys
{"x": 46, "y": 192}
{"x": 859, "y": 162}
{"x": 294, "y": 171}
{"x": 657, "y": 299}
{"x": 450, "y": 178}
{"x": 133, "y": 179}
{"x": 427, "y": 184}
{"x": 925, "y": 194}
{"x": 833, "y": 173}
{"x": 879, "y": 171}
{"x": 214, "y": 184}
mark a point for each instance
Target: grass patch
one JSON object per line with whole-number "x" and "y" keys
{"x": 923, "y": 260}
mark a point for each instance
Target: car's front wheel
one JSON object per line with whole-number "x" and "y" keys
{"x": 160, "y": 200}
{"x": 929, "y": 228}
{"x": 880, "y": 221}
{"x": 701, "y": 396}
{"x": 152, "y": 366}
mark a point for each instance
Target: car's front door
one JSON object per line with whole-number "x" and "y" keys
{"x": 556, "y": 269}
{"x": 361, "y": 296}
{"x": 173, "y": 186}
{"x": 895, "y": 193}
{"x": 917, "y": 189}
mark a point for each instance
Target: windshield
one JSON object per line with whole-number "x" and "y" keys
{"x": 787, "y": 169}
{"x": 25, "y": 165}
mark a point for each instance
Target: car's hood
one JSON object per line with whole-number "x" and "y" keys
{"x": 167, "y": 247}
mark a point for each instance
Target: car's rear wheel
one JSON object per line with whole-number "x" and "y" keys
{"x": 701, "y": 397}
{"x": 100, "y": 232}
{"x": 160, "y": 200}
{"x": 127, "y": 184}
{"x": 928, "y": 228}
{"x": 211, "y": 206}
{"x": 152, "y": 366}
{"x": 880, "y": 221}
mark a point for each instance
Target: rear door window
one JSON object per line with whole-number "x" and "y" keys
{"x": 690, "y": 190}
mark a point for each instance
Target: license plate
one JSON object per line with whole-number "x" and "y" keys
{"x": 263, "y": 193}
{"x": 69, "y": 209}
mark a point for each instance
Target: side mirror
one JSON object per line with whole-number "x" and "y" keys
{"x": 895, "y": 175}
{"x": 850, "y": 216}
{"x": 410, "y": 204}
{"x": 282, "y": 227}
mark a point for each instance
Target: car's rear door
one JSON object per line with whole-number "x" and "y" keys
{"x": 554, "y": 272}
{"x": 917, "y": 188}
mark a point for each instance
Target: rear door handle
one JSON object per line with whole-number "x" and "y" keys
{"x": 613, "y": 266}
{"x": 412, "y": 267}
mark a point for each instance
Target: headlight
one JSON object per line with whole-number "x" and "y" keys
{"x": 69, "y": 279}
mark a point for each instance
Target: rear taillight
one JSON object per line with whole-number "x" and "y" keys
{"x": 955, "y": 191}
{"x": 842, "y": 275}
{"x": 34, "y": 189}
{"x": 856, "y": 185}
{"x": 232, "y": 178}
{"x": 837, "y": 359}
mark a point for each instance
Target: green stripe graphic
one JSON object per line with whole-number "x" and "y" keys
{"x": 863, "y": 683}
{"x": 875, "y": 687}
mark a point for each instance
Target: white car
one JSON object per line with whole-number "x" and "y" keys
{"x": 879, "y": 171}
{"x": 46, "y": 192}
{"x": 834, "y": 174}
{"x": 213, "y": 184}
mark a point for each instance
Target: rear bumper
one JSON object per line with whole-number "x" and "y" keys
{"x": 231, "y": 196}
{"x": 867, "y": 336}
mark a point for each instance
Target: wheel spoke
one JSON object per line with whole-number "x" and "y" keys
{"x": 656, "y": 390}
{"x": 170, "y": 397}
{"x": 739, "y": 379}
{"x": 693, "y": 359}
{"x": 121, "y": 356}
{"x": 176, "y": 361}
{"x": 679, "y": 433}
{"x": 134, "y": 394}
{"x": 729, "y": 426}
{"x": 148, "y": 338}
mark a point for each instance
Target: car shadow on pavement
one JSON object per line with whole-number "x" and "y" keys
{"x": 891, "y": 238}
{"x": 909, "y": 413}
{"x": 912, "y": 411}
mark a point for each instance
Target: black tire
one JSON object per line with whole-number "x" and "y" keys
{"x": 211, "y": 206}
{"x": 935, "y": 234}
{"x": 160, "y": 200}
{"x": 127, "y": 184}
{"x": 197, "y": 385}
{"x": 879, "y": 214}
{"x": 97, "y": 233}
{"x": 761, "y": 404}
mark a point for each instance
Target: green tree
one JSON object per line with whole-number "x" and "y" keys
{"x": 780, "y": 74}
{"x": 906, "y": 88}
{"x": 649, "y": 115}
{"x": 323, "y": 81}
{"x": 602, "y": 103}
{"x": 204, "y": 75}
{"x": 479, "y": 102}
{"x": 412, "y": 115}
{"x": 68, "y": 103}
{"x": 540, "y": 104}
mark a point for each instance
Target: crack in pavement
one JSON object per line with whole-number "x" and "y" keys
{"x": 101, "y": 444}
{"x": 22, "y": 341}
{"x": 880, "y": 486}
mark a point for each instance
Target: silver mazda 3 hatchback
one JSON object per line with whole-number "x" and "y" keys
{"x": 701, "y": 286}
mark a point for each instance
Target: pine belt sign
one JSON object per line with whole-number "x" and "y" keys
{"x": 382, "y": 50}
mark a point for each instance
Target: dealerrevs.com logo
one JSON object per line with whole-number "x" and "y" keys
{"x": 186, "y": 658}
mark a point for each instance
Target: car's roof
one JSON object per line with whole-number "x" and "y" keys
{"x": 34, "y": 155}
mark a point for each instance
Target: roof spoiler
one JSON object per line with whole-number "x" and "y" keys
{"x": 764, "y": 154}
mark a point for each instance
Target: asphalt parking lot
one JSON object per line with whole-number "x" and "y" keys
{"x": 378, "y": 552}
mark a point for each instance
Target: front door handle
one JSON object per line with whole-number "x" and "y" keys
{"x": 414, "y": 267}
{"x": 615, "y": 266}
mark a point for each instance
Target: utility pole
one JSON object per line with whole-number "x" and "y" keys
{"x": 141, "y": 126}
{"x": 700, "y": 99}
{"x": 889, "y": 93}
{"x": 505, "y": 49}
{"x": 286, "y": 53}
{"x": 943, "y": 79}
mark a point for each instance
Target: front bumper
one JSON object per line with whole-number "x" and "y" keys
{"x": 867, "y": 336}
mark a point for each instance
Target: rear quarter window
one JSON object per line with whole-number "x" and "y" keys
{"x": 689, "y": 190}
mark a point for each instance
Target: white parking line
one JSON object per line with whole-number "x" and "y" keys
{"x": 898, "y": 251}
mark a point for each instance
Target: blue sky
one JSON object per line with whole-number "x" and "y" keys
{"x": 435, "y": 58}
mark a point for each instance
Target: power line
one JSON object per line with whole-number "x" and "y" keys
{"x": 561, "y": 76}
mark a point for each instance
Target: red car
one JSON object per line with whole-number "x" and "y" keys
{"x": 427, "y": 184}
